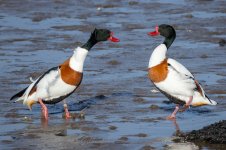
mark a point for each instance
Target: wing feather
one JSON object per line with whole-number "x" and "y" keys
{"x": 180, "y": 68}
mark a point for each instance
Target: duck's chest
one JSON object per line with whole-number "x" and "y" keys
{"x": 159, "y": 72}
{"x": 70, "y": 76}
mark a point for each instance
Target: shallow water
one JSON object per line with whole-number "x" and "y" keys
{"x": 42, "y": 34}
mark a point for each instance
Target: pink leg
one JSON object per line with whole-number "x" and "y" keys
{"x": 187, "y": 105}
{"x": 44, "y": 109}
{"x": 173, "y": 115}
{"x": 67, "y": 114}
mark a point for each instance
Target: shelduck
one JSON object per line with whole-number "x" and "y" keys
{"x": 171, "y": 78}
{"x": 60, "y": 82}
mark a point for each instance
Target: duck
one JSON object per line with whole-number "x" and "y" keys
{"x": 172, "y": 78}
{"x": 61, "y": 81}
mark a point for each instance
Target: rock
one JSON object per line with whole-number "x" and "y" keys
{"x": 154, "y": 107}
{"x": 181, "y": 146}
{"x": 133, "y": 3}
{"x": 214, "y": 133}
{"x": 112, "y": 127}
{"x": 81, "y": 115}
{"x": 167, "y": 102}
{"x": 101, "y": 96}
{"x": 61, "y": 133}
{"x": 188, "y": 16}
{"x": 113, "y": 62}
{"x": 147, "y": 147}
{"x": 154, "y": 91}
{"x": 204, "y": 56}
{"x": 25, "y": 118}
{"x": 139, "y": 100}
{"x": 222, "y": 42}
{"x": 123, "y": 138}
{"x": 141, "y": 135}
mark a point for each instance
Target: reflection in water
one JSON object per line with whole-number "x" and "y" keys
{"x": 44, "y": 123}
{"x": 178, "y": 132}
{"x": 178, "y": 143}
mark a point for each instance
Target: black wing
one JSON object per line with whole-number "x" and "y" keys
{"x": 19, "y": 94}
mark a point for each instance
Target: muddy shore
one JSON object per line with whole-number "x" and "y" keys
{"x": 122, "y": 108}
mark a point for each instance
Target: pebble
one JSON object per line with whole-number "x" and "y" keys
{"x": 99, "y": 8}
{"x": 154, "y": 107}
{"x": 222, "y": 42}
{"x": 154, "y": 91}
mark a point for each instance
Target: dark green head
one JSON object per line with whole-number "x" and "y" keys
{"x": 166, "y": 31}
{"x": 99, "y": 35}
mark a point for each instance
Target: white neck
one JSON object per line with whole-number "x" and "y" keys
{"x": 158, "y": 55}
{"x": 78, "y": 58}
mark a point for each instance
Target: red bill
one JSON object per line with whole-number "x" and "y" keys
{"x": 112, "y": 38}
{"x": 154, "y": 33}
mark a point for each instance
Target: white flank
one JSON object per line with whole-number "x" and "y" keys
{"x": 180, "y": 84}
{"x": 78, "y": 58}
{"x": 52, "y": 86}
{"x": 177, "y": 84}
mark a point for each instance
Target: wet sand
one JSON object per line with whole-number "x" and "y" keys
{"x": 121, "y": 110}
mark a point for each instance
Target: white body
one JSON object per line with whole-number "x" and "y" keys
{"x": 179, "y": 83}
{"x": 51, "y": 85}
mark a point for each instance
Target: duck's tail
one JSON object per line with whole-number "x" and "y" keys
{"x": 199, "y": 100}
{"x": 211, "y": 102}
{"x": 19, "y": 95}
{"x": 200, "y": 96}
